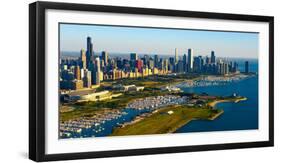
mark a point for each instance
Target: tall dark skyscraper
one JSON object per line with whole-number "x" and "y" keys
{"x": 134, "y": 56}
{"x": 190, "y": 60}
{"x": 247, "y": 67}
{"x": 213, "y": 57}
{"x": 145, "y": 59}
{"x": 184, "y": 58}
{"x": 198, "y": 64}
{"x": 208, "y": 61}
{"x": 89, "y": 52}
{"x": 104, "y": 56}
{"x": 156, "y": 60}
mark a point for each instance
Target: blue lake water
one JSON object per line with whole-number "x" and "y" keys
{"x": 106, "y": 128}
{"x": 237, "y": 116}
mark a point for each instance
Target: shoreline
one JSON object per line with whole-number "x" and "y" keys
{"x": 214, "y": 103}
{"x": 211, "y": 119}
{"x": 139, "y": 125}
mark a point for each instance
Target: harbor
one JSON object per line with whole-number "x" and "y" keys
{"x": 102, "y": 123}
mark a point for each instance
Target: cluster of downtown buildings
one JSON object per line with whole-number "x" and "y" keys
{"x": 89, "y": 70}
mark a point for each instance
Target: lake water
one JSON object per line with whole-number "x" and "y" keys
{"x": 106, "y": 128}
{"x": 236, "y": 116}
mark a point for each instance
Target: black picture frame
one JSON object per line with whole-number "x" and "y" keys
{"x": 37, "y": 79}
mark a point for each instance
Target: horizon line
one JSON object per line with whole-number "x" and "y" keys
{"x": 152, "y": 54}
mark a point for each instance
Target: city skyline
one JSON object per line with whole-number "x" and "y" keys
{"x": 102, "y": 67}
{"x": 115, "y": 39}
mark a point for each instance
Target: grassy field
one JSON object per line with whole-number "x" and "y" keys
{"x": 78, "y": 112}
{"x": 162, "y": 122}
{"x": 152, "y": 81}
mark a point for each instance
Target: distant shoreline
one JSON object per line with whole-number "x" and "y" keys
{"x": 77, "y": 54}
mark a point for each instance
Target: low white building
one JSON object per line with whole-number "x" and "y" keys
{"x": 89, "y": 96}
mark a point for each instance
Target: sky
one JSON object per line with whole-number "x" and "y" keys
{"x": 116, "y": 39}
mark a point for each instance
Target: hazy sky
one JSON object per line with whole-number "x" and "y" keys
{"x": 158, "y": 41}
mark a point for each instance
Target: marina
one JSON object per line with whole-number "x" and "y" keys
{"x": 103, "y": 123}
{"x": 153, "y": 103}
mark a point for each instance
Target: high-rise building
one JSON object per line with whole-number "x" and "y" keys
{"x": 97, "y": 71}
{"x": 119, "y": 63}
{"x": 165, "y": 64}
{"x": 190, "y": 60}
{"x": 139, "y": 65}
{"x": 83, "y": 59}
{"x": 82, "y": 73}
{"x": 184, "y": 59}
{"x": 172, "y": 64}
{"x": 134, "y": 56}
{"x": 104, "y": 56}
{"x": 77, "y": 73}
{"x": 213, "y": 57}
{"x": 223, "y": 68}
{"x": 198, "y": 64}
{"x": 247, "y": 67}
{"x": 176, "y": 56}
{"x": 208, "y": 60}
{"x": 145, "y": 59}
{"x": 156, "y": 60}
{"x": 89, "y": 52}
{"x": 180, "y": 67}
{"x": 161, "y": 64}
{"x": 226, "y": 68}
{"x": 151, "y": 63}
{"x": 235, "y": 67}
{"x": 87, "y": 82}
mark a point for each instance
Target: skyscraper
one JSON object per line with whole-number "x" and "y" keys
{"x": 226, "y": 68}
{"x": 134, "y": 56}
{"x": 151, "y": 63}
{"x": 156, "y": 60}
{"x": 247, "y": 67}
{"x": 145, "y": 59}
{"x": 89, "y": 51}
{"x": 213, "y": 57}
{"x": 139, "y": 65}
{"x": 198, "y": 64}
{"x": 180, "y": 67}
{"x": 172, "y": 64}
{"x": 97, "y": 71}
{"x": 176, "y": 56}
{"x": 165, "y": 64}
{"x": 208, "y": 61}
{"x": 87, "y": 79}
{"x": 190, "y": 60}
{"x": 235, "y": 68}
{"x": 184, "y": 58}
{"x": 83, "y": 59}
{"x": 104, "y": 56}
{"x": 77, "y": 72}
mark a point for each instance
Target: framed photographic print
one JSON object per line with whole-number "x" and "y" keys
{"x": 111, "y": 81}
